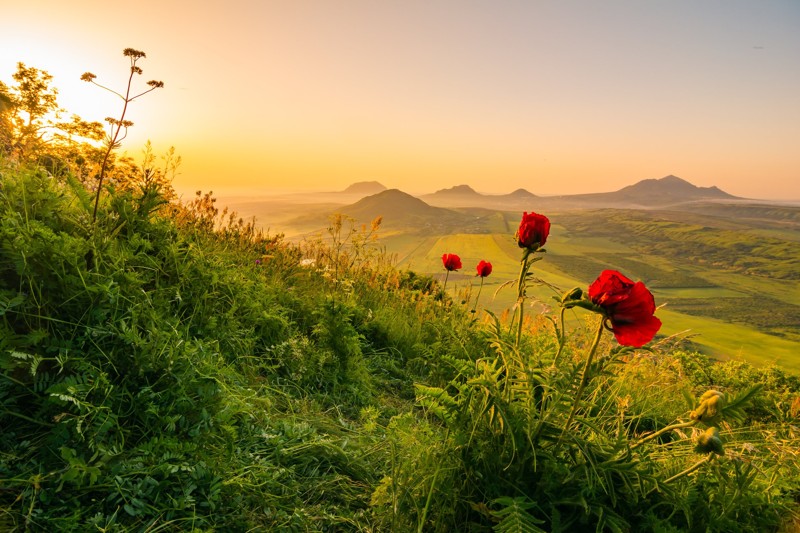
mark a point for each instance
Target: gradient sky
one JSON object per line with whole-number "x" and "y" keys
{"x": 558, "y": 97}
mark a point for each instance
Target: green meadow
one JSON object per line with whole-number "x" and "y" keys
{"x": 740, "y": 305}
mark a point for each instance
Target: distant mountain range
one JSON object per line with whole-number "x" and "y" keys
{"x": 463, "y": 206}
{"x": 466, "y": 196}
{"x": 669, "y": 190}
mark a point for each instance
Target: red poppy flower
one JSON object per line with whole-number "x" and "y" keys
{"x": 628, "y": 305}
{"x": 484, "y": 269}
{"x": 451, "y": 262}
{"x": 533, "y": 230}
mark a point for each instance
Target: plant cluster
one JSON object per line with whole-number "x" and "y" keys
{"x": 168, "y": 367}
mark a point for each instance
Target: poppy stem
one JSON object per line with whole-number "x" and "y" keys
{"x": 478, "y": 296}
{"x": 584, "y": 377}
{"x": 523, "y": 271}
{"x": 562, "y": 337}
{"x": 444, "y": 288}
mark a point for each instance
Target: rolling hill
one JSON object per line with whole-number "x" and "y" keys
{"x": 466, "y": 196}
{"x": 669, "y": 190}
{"x": 400, "y": 211}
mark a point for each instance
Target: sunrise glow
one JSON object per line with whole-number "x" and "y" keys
{"x": 555, "y": 98}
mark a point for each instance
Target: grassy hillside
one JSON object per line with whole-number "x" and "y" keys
{"x": 168, "y": 368}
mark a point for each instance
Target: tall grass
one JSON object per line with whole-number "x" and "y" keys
{"x": 171, "y": 368}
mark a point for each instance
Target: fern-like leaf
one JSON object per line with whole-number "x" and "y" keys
{"x": 734, "y": 409}
{"x": 437, "y": 401}
{"x": 514, "y": 516}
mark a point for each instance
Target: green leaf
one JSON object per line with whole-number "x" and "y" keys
{"x": 514, "y": 516}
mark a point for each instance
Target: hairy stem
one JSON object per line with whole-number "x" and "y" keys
{"x": 698, "y": 464}
{"x": 584, "y": 377}
{"x": 662, "y": 431}
{"x": 562, "y": 338}
{"x": 523, "y": 270}
{"x": 475, "y": 307}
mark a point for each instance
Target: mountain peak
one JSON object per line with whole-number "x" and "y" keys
{"x": 400, "y": 209}
{"x": 669, "y": 189}
{"x": 389, "y": 201}
{"x": 365, "y": 187}
{"x": 458, "y": 190}
{"x": 522, "y": 193}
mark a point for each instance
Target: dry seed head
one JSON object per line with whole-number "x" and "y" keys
{"x": 135, "y": 54}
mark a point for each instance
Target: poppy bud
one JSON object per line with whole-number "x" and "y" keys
{"x": 709, "y": 412}
{"x": 710, "y": 442}
{"x": 574, "y": 294}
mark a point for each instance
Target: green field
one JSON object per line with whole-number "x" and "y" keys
{"x": 738, "y": 302}
{"x": 730, "y": 273}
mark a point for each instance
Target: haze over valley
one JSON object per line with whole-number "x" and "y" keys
{"x": 725, "y": 269}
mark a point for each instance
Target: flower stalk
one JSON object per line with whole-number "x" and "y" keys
{"x": 663, "y": 430}
{"x": 521, "y": 289}
{"x": 450, "y": 262}
{"x": 562, "y": 337}
{"x": 531, "y": 236}
{"x": 478, "y": 297}
{"x": 707, "y": 459}
{"x": 484, "y": 268}
{"x": 118, "y": 128}
{"x": 584, "y": 376}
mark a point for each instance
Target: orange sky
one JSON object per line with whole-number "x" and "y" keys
{"x": 556, "y": 97}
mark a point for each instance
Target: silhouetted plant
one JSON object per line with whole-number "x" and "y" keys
{"x": 118, "y": 127}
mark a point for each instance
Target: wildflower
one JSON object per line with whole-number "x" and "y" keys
{"x": 531, "y": 235}
{"x": 484, "y": 268}
{"x": 533, "y": 230}
{"x": 451, "y": 262}
{"x": 628, "y": 306}
{"x": 258, "y": 262}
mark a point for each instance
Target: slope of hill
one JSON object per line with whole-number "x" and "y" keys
{"x": 672, "y": 186}
{"x": 520, "y": 194}
{"x": 194, "y": 374}
{"x": 399, "y": 210}
{"x": 393, "y": 204}
{"x": 667, "y": 191}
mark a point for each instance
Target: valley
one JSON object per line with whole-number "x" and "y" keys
{"x": 724, "y": 271}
